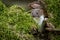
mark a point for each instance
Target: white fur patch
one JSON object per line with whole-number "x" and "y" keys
{"x": 41, "y": 19}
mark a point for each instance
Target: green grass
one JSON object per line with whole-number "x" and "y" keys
{"x": 53, "y": 7}
{"x": 15, "y": 23}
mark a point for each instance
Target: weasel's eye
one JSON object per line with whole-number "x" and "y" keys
{"x": 36, "y": 13}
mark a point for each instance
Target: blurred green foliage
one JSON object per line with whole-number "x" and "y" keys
{"x": 15, "y": 23}
{"x": 53, "y": 7}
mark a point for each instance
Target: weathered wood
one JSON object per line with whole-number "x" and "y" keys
{"x": 54, "y": 31}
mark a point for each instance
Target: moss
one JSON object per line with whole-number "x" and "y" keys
{"x": 15, "y": 23}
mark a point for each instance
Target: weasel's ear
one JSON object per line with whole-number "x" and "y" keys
{"x": 29, "y": 5}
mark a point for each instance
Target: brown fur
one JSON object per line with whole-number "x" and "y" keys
{"x": 42, "y": 6}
